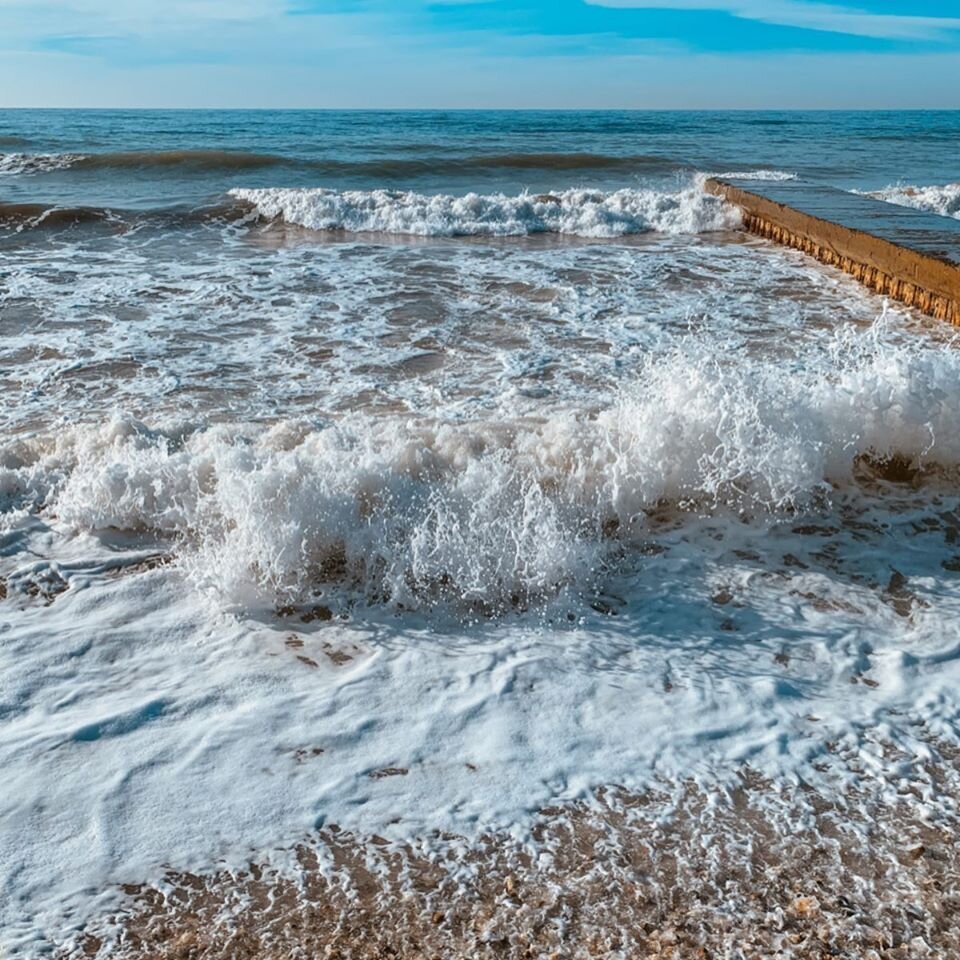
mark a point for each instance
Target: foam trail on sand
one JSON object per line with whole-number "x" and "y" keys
{"x": 746, "y": 639}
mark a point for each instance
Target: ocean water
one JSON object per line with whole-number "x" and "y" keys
{"x": 482, "y": 446}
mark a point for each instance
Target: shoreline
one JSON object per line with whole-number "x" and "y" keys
{"x": 682, "y": 871}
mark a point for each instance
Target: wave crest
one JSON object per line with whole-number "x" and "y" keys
{"x": 21, "y": 163}
{"x": 942, "y": 200}
{"x": 583, "y": 213}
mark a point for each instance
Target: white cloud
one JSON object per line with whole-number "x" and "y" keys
{"x": 812, "y": 16}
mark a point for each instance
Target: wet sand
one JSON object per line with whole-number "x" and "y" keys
{"x": 758, "y": 871}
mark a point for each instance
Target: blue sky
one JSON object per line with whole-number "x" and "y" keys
{"x": 475, "y": 53}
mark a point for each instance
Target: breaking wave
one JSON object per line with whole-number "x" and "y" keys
{"x": 20, "y": 163}
{"x": 492, "y": 514}
{"x": 582, "y": 213}
{"x": 944, "y": 200}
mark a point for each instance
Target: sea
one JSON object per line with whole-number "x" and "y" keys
{"x": 418, "y": 472}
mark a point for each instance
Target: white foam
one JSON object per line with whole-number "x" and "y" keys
{"x": 583, "y": 213}
{"x": 942, "y": 200}
{"x": 517, "y": 325}
{"x": 769, "y": 176}
{"x": 20, "y": 163}
{"x": 417, "y": 511}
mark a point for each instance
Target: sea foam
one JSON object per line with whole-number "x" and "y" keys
{"x": 584, "y": 213}
{"x": 942, "y": 200}
{"x": 25, "y": 163}
{"x": 412, "y": 511}
{"x": 761, "y": 176}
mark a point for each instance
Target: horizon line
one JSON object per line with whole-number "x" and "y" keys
{"x": 425, "y": 109}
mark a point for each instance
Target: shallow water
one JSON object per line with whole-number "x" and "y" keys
{"x": 321, "y": 433}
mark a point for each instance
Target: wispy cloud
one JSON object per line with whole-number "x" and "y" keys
{"x": 810, "y": 16}
{"x": 480, "y": 52}
{"x": 140, "y": 34}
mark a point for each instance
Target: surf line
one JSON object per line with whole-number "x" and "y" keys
{"x": 899, "y": 252}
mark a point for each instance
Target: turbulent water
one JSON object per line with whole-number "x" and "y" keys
{"x": 942, "y": 200}
{"x": 483, "y": 447}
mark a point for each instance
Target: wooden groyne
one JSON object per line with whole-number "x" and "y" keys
{"x": 899, "y": 252}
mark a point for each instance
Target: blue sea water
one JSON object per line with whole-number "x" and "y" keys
{"x": 164, "y": 158}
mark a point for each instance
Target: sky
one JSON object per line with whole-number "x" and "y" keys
{"x": 698, "y": 54}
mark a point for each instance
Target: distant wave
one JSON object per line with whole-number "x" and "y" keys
{"x": 20, "y": 163}
{"x": 33, "y": 215}
{"x": 382, "y": 168}
{"x": 203, "y": 160}
{"x": 506, "y": 161}
{"x": 12, "y": 140}
{"x": 944, "y": 200}
{"x": 196, "y": 159}
{"x": 581, "y": 213}
{"x": 38, "y": 216}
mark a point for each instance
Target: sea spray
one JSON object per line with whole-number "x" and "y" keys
{"x": 409, "y": 511}
{"x": 942, "y": 200}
